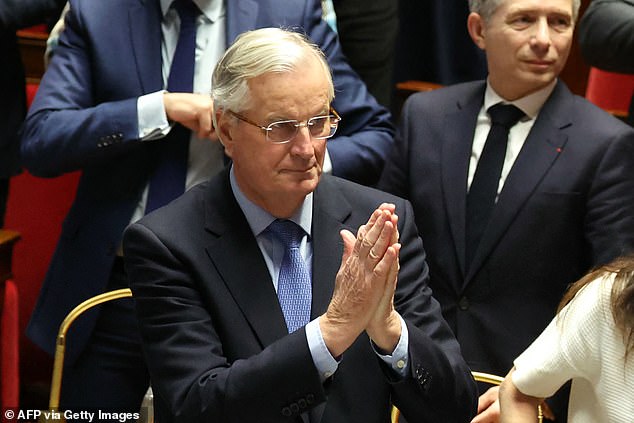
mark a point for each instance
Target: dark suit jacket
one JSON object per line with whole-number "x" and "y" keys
{"x": 567, "y": 205}
{"x": 214, "y": 334}
{"x": 14, "y": 15}
{"x": 606, "y": 38}
{"x": 85, "y": 117}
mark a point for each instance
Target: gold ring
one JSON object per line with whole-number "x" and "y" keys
{"x": 372, "y": 255}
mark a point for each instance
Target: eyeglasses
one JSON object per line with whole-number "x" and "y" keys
{"x": 281, "y": 132}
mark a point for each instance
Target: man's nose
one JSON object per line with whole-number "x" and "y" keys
{"x": 540, "y": 39}
{"x": 303, "y": 141}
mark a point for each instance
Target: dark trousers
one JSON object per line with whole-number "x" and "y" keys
{"x": 110, "y": 374}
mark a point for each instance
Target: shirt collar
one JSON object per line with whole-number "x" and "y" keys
{"x": 259, "y": 219}
{"x": 530, "y": 104}
{"x": 212, "y": 9}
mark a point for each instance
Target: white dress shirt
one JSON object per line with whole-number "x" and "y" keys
{"x": 530, "y": 105}
{"x": 205, "y": 157}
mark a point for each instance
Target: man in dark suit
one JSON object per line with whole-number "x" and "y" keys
{"x": 101, "y": 108}
{"x": 14, "y": 15}
{"x": 367, "y": 32}
{"x": 219, "y": 334}
{"x": 565, "y": 192}
{"x": 606, "y": 38}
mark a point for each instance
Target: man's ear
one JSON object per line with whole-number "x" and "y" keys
{"x": 477, "y": 30}
{"x": 224, "y": 126}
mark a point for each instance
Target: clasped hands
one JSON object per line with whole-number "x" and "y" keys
{"x": 193, "y": 111}
{"x": 363, "y": 298}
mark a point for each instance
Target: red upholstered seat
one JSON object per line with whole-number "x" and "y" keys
{"x": 31, "y": 89}
{"x": 36, "y": 209}
{"x": 610, "y": 91}
{"x": 9, "y": 353}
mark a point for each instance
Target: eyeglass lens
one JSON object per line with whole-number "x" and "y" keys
{"x": 319, "y": 127}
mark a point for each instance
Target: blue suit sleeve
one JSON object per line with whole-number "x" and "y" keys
{"x": 79, "y": 117}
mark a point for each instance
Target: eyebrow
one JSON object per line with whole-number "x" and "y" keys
{"x": 532, "y": 11}
{"x": 325, "y": 111}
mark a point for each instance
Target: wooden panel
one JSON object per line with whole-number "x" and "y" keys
{"x": 32, "y": 47}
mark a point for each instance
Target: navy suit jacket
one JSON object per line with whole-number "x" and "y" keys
{"x": 215, "y": 338}
{"x": 85, "y": 117}
{"x": 567, "y": 205}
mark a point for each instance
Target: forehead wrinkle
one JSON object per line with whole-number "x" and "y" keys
{"x": 515, "y": 9}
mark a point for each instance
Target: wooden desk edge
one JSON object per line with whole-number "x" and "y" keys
{"x": 8, "y": 237}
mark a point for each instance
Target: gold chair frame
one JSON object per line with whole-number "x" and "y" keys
{"x": 478, "y": 377}
{"x": 60, "y": 345}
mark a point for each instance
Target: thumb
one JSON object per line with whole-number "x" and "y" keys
{"x": 349, "y": 241}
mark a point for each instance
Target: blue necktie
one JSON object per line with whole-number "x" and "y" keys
{"x": 168, "y": 179}
{"x": 484, "y": 187}
{"x": 293, "y": 284}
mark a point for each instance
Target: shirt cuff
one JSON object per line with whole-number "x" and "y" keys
{"x": 324, "y": 361}
{"x": 398, "y": 359}
{"x": 152, "y": 118}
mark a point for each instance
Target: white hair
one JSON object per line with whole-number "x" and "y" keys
{"x": 255, "y": 53}
{"x": 486, "y": 8}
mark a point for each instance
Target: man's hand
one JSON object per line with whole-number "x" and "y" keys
{"x": 384, "y": 327}
{"x": 365, "y": 279}
{"x": 193, "y": 111}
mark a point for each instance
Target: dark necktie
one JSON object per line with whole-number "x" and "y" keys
{"x": 294, "y": 289}
{"x": 168, "y": 179}
{"x": 484, "y": 187}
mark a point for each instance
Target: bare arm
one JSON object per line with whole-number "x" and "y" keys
{"x": 516, "y": 407}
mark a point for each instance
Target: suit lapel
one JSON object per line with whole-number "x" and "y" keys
{"x": 235, "y": 253}
{"x": 541, "y": 149}
{"x": 330, "y": 210}
{"x": 145, "y": 21}
{"x": 241, "y": 16}
{"x": 459, "y": 127}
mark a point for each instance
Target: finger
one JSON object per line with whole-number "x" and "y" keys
{"x": 489, "y": 397}
{"x": 387, "y": 206}
{"x": 393, "y": 275}
{"x": 490, "y": 415}
{"x": 373, "y": 234}
{"x": 363, "y": 229}
{"x": 387, "y": 301}
{"x": 385, "y": 240}
{"x": 213, "y": 136}
{"x": 205, "y": 127}
{"x": 394, "y": 220}
{"x": 384, "y": 266}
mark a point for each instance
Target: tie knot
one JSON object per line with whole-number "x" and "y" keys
{"x": 187, "y": 12}
{"x": 505, "y": 115}
{"x": 288, "y": 232}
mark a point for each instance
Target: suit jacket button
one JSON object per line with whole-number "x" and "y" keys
{"x": 286, "y": 412}
{"x": 295, "y": 408}
{"x": 463, "y": 304}
{"x": 302, "y": 403}
{"x": 310, "y": 398}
